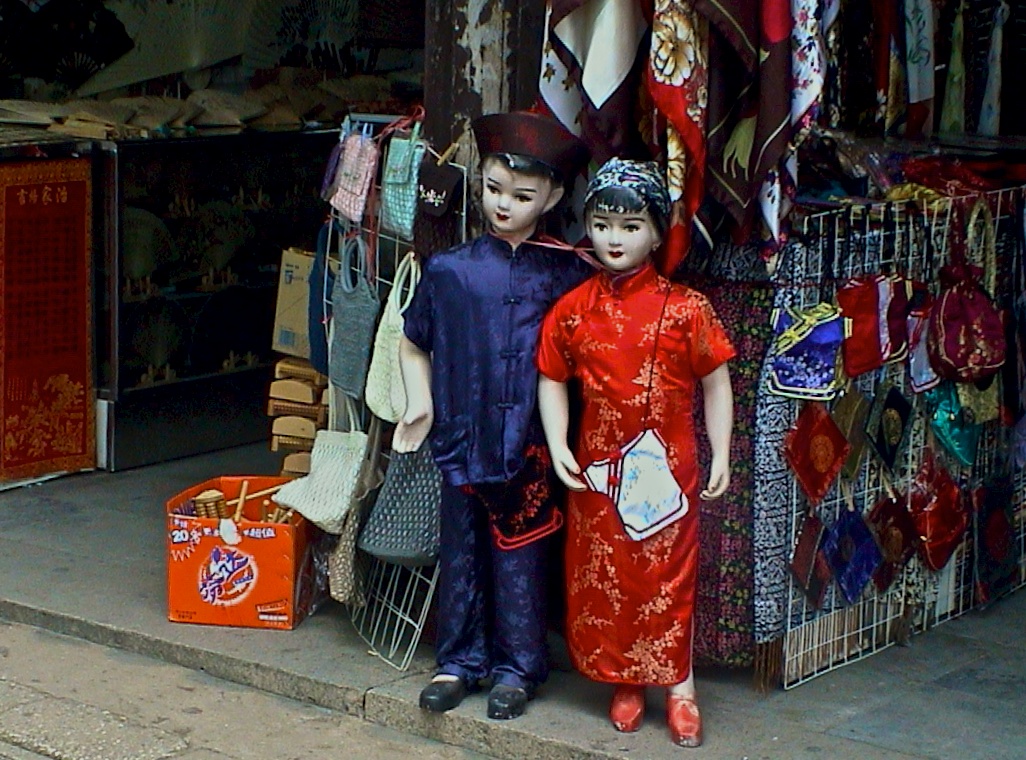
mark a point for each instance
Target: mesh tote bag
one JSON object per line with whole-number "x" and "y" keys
{"x": 385, "y": 394}
{"x": 354, "y": 312}
{"x": 399, "y": 182}
{"x": 325, "y": 496}
{"x": 355, "y": 175}
{"x": 404, "y": 525}
{"x": 345, "y": 573}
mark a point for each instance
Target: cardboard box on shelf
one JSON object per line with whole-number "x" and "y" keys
{"x": 252, "y": 573}
{"x": 291, "y": 314}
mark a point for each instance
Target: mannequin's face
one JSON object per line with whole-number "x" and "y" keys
{"x": 623, "y": 241}
{"x": 513, "y": 202}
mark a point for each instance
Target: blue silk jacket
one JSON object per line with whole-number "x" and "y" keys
{"x": 477, "y": 311}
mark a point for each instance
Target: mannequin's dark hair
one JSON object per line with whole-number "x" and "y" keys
{"x": 520, "y": 164}
{"x": 628, "y": 200}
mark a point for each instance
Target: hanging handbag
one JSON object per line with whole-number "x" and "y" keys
{"x": 849, "y": 414}
{"x": 399, "y": 186}
{"x": 354, "y": 312}
{"x": 440, "y": 185}
{"x": 996, "y": 541}
{"x": 888, "y": 424}
{"x": 891, "y": 523}
{"x": 921, "y": 373}
{"x": 345, "y": 573}
{"x": 950, "y": 425}
{"x": 808, "y": 564}
{"x": 966, "y": 333}
{"x": 325, "y": 496}
{"x": 404, "y": 524}
{"x": 816, "y": 450}
{"x": 981, "y": 401}
{"x": 355, "y": 175}
{"x": 803, "y": 355}
{"x": 894, "y": 321}
{"x": 385, "y": 394}
{"x": 331, "y": 170}
{"x": 852, "y": 552}
{"x": 937, "y": 512}
{"x": 859, "y": 300}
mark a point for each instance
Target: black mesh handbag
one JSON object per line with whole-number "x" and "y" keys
{"x": 403, "y": 526}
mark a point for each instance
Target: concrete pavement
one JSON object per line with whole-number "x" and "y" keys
{"x": 84, "y": 556}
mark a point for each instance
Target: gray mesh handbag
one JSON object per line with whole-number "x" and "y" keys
{"x": 403, "y": 526}
{"x": 355, "y": 307}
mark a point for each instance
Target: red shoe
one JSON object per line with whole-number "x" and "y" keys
{"x": 627, "y": 709}
{"x": 684, "y": 720}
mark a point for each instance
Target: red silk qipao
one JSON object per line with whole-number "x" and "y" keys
{"x": 630, "y": 603}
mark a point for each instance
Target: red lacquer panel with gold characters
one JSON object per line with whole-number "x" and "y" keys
{"x": 47, "y": 414}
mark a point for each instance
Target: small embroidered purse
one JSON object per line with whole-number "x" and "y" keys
{"x": 891, "y": 523}
{"x": 808, "y": 564}
{"x": 849, "y": 414}
{"x": 816, "y": 449}
{"x": 937, "y": 512}
{"x": 859, "y": 300}
{"x": 949, "y": 423}
{"x": 852, "y": 552}
{"x": 888, "y": 424}
{"x": 804, "y": 352}
{"x": 440, "y": 186}
{"x": 399, "y": 185}
{"x": 354, "y": 176}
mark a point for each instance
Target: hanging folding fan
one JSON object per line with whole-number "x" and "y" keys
{"x": 297, "y": 32}
{"x": 172, "y": 36}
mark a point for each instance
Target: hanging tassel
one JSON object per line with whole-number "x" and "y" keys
{"x": 769, "y": 657}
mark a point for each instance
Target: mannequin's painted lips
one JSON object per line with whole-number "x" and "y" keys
{"x": 502, "y": 217}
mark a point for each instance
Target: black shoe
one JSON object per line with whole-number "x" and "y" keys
{"x": 506, "y": 702}
{"x": 439, "y": 696}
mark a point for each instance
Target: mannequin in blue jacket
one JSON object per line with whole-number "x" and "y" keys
{"x": 467, "y": 360}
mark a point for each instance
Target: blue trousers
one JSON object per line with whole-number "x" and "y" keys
{"x": 491, "y": 602}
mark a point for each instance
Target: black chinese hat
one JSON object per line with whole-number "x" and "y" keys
{"x": 533, "y": 135}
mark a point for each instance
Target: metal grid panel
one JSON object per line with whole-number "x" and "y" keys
{"x": 398, "y": 598}
{"x": 850, "y": 242}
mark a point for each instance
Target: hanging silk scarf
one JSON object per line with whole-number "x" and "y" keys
{"x": 990, "y": 111}
{"x": 677, "y": 82}
{"x": 919, "y": 60}
{"x": 749, "y": 99}
{"x": 952, "y": 117}
{"x": 808, "y": 66}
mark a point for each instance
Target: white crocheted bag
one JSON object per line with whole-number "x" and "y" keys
{"x": 385, "y": 394}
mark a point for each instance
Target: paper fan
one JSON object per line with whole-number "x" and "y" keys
{"x": 289, "y": 31}
{"x": 171, "y": 37}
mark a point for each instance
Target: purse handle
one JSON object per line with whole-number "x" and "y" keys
{"x": 352, "y": 246}
{"x": 407, "y": 275}
{"x": 988, "y": 255}
{"x": 352, "y": 422}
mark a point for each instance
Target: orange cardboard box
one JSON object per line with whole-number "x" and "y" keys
{"x": 252, "y": 574}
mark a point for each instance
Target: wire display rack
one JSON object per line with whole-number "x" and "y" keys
{"x": 910, "y": 240}
{"x": 397, "y": 598}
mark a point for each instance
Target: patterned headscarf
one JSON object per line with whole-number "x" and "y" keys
{"x": 643, "y": 177}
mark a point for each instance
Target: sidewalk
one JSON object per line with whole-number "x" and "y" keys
{"x": 83, "y": 555}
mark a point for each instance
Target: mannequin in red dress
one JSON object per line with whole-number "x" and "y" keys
{"x": 638, "y": 344}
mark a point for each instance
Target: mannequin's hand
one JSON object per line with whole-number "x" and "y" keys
{"x": 567, "y": 469}
{"x": 719, "y": 480}
{"x": 412, "y": 430}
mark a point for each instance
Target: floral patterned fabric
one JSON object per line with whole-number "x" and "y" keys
{"x": 630, "y": 603}
{"x": 725, "y": 612}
